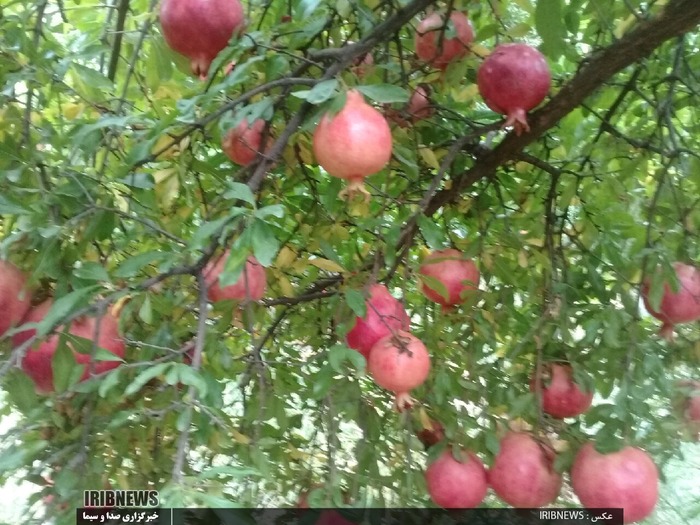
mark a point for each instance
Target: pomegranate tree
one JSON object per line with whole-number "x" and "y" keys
{"x": 523, "y": 472}
{"x": 456, "y": 484}
{"x": 15, "y": 299}
{"x": 243, "y": 143}
{"x": 37, "y": 362}
{"x": 561, "y": 396}
{"x": 513, "y": 79}
{"x": 457, "y": 275}
{"x": 626, "y": 479}
{"x": 385, "y": 315}
{"x": 200, "y": 29}
{"x": 682, "y": 306}
{"x": 432, "y": 43}
{"x": 399, "y": 362}
{"x": 250, "y": 286}
{"x": 353, "y": 144}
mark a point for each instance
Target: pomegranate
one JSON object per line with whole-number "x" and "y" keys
{"x": 419, "y": 107}
{"x": 626, "y": 479}
{"x": 514, "y": 79}
{"x": 37, "y": 362}
{"x": 432, "y": 44}
{"x": 456, "y": 484}
{"x": 431, "y": 435}
{"x": 250, "y": 286}
{"x": 399, "y": 362}
{"x": 523, "y": 474}
{"x": 687, "y": 406}
{"x": 200, "y": 29}
{"x": 385, "y": 315}
{"x": 243, "y": 143}
{"x": 561, "y": 396}
{"x": 680, "y": 307}
{"x": 15, "y": 299}
{"x": 353, "y": 144}
{"x": 459, "y": 276}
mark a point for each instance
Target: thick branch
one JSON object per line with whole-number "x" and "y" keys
{"x": 679, "y": 17}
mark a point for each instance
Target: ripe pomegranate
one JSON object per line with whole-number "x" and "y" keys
{"x": 250, "y": 286}
{"x": 243, "y": 143}
{"x": 432, "y": 44}
{"x": 15, "y": 299}
{"x": 399, "y": 363}
{"x": 458, "y": 275}
{"x": 431, "y": 435}
{"x": 37, "y": 362}
{"x": 514, "y": 79}
{"x": 456, "y": 484}
{"x": 628, "y": 479}
{"x": 385, "y": 315}
{"x": 680, "y": 307}
{"x": 353, "y": 144}
{"x": 523, "y": 474}
{"x": 200, "y": 29}
{"x": 561, "y": 396}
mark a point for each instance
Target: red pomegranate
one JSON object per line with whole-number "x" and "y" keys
{"x": 432, "y": 44}
{"x": 251, "y": 285}
{"x": 37, "y": 362}
{"x": 561, "y": 396}
{"x": 243, "y": 143}
{"x": 628, "y": 479}
{"x": 523, "y": 472}
{"x": 385, "y": 315}
{"x": 200, "y": 29}
{"x": 456, "y": 484}
{"x": 431, "y": 435}
{"x": 512, "y": 80}
{"x": 353, "y": 144}
{"x": 399, "y": 363}
{"x": 680, "y": 307}
{"x": 15, "y": 299}
{"x": 458, "y": 275}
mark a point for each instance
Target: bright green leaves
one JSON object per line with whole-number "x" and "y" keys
{"x": 549, "y": 21}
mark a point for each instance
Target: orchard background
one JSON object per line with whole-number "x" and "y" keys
{"x": 115, "y": 194}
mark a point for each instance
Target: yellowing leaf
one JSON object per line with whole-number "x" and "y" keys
{"x": 623, "y": 26}
{"x": 240, "y": 438}
{"x": 285, "y": 286}
{"x": 429, "y": 157}
{"x": 522, "y": 259}
{"x": 466, "y": 93}
{"x": 167, "y": 186}
{"x": 425, "y": 420}
{"x": 535, "y": 242}
{"x": 488, "y": 316}
{"x": 297, "y": 454}
{"x": 325, "y": 264}
{"x": 285, "y": 258}
{"x": 72, "y": 110}
{"x": 522, "y": 167}
{"x": 480, "y": 51}
{"x": 117, "y": 307}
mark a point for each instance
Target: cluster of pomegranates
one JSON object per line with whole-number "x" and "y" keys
{"x": 37, "y": 363}
{"x": 16, "y": 309}
{"x": 397, "y": 360}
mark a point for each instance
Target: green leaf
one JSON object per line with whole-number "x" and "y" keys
{"x": 237, "y": 190}
{"x": 319, "y": 93}
{"x": 133, "y": 265}
{"x": 91, "y": 271}
{"x": 64, "y": 306}
{"x": 66, "y": 371}
{"x": 431, "y": 232}
{"x": 265, "y": 244}
{"x": 274, "y": 210}
{"x": 145, "y": 376}
{"x": 385, "y": 93}
{"x": 549, "y": 22}
{"x": 187, "y": 375}
{"x": 146, "y": 311}
{"x": 356, "y": 301}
